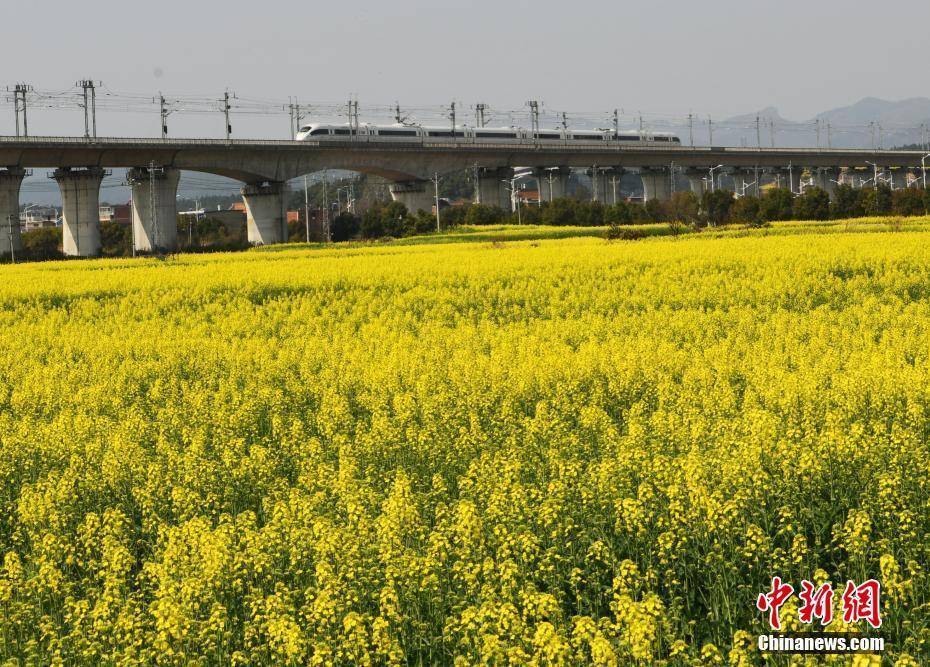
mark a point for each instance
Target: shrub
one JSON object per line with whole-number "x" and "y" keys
{"x": 777, "y": 204}
{"x": 812, "y": 204}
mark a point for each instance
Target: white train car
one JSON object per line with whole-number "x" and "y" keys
{"x": 475, "y": 135}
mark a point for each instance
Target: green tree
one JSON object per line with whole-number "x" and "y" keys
{"x": 876, "y": 201}
{"x": 747, "y": 210}
{"x": 777, "y": 204}
{"x": 909, "y": 201}
{"x": 482, "y": 214}
{"x": 847, "y": 202}
{"x": 812, "y": 204}
{"x": 618, "y": 214}
{"x": 716, "y": 206}
{"x": 683, "y": 207}
{"x": 560, "y": 212}
{"x": 345, "y": 227}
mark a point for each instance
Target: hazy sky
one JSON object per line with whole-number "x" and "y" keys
{"x": 723, "y": 57}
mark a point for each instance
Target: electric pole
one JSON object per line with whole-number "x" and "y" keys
{"x": 164, "y": 116}
{"x": 479, "y": 114}
{"x": 817, "y": 129}
{"x": 153, "y": 204}
{"x": 534, "y": 118}
{"x": 616, "y": 124}
{"x": 452, "y": 117}
{"x": 691, "y": 128}
{"x": 758, "y": 133}
{"x": 710, "y": 130}
{"x": 90, "y": 107}
{"x": 436, "y": 180}
{"x": 226, "y": 109}
{"x": 19, "y": 104}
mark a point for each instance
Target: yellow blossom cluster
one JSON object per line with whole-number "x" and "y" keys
{"x": 555, "y": 452}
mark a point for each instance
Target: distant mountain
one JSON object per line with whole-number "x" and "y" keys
{"x": 870, "y": 121}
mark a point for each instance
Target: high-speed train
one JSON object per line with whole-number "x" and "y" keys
{"x": 400, "y": 133}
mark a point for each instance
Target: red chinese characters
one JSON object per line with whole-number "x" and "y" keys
{"x": 773, "y": 600}
{"x": 859, "y": 603}
{"x": 862, "y": 603}
{"x": 816, "y": 603}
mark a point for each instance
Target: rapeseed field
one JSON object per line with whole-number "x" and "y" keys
{"x": 548, "y": 452}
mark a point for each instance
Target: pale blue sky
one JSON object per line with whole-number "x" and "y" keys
{"x": 717, "y": 56}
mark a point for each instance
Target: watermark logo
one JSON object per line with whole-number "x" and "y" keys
{"x": 860, "y": 602}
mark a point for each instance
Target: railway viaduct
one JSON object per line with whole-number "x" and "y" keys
{"x": 264, "y": 167}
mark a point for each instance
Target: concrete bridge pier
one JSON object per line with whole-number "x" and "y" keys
{"x": 600, "y": 184}
{"x": 415, "y": 195}
{"x": 266, "y": 219}
{"x": 897, "y": 178}
{"x": 656, "y": 183}
{"x": 614, "y": 177}
{"x": 80, "y": 206}
{"x": 158, "y": 233}
{"x": 737, "y": 178}
{"x": 492, "y": 189}
{"x": 696, "y": 180}
{"x": 11, "y": 179}
{"x": 560, "y": 179}
{"x": 826, "y": 178}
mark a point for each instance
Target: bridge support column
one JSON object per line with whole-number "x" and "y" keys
{"x": 158, "y": 233}
{"x": 80, "y": 210}
{"x": 897, "y": 178}
{"x": 656, "y": 183}
{"x": 492, "y": 191}
{"x": 826, "y": 178}
{"x": 266, "y": 219}
{"x": 696, "y": 180}
{"x": 560, "y": 179}
{"x": 415, "y": 195}
{"x": 600, "y": 184}
{"x": 614, "y": 178}
{"x": 10, "y": 181}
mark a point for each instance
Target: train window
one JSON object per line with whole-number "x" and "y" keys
{"x": 340, "y": 132}
{"x": 444, "y": 133}
{"x": 587, "y": 137}
{"x": 397, "y": 133}
{"x": 304, "y": 129}
{"x": 628, "y": 137}
{"x": 548, "y": 136}
{"x": 494, "y": 135}
{"x": 317, "y": 131}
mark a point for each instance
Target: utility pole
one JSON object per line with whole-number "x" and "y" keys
{"x": 758, "y": 133}
{"x": 452, "y": 118}
{"x": 479, "y": 114}
{"x": 307, "y": 208}
{"x": 829, "y": 135}
{"x": 436, "y": 180}
{"x": 12, "y": 254}
{"x": 616, "y": 124}
{"x": 290, "y": 110}
{"x": 817, "y": 130}
{"x": 772, "y": 131}
{"x": 226, "y": 109}
{"x": 691, "y": 129}
{"x": 881, "y": 138}
{"x": 872, "y": 133}
{"x": 564, "y": 123}
{"x": 19, "y": 104}
{"x": 641, "y": 134}
{"x": 164, "y": 116}
{"x": 326, "y": 236}
{"x": 153, "y": 203}
{"x": 534, "y": 118}
{"x": 90, "y": 107}
{"x": 710, "y": 130}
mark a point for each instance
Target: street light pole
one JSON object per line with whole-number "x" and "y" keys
{"x": 923, "y": 169}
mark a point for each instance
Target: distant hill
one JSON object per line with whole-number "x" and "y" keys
{"x": 885, "y": 122}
